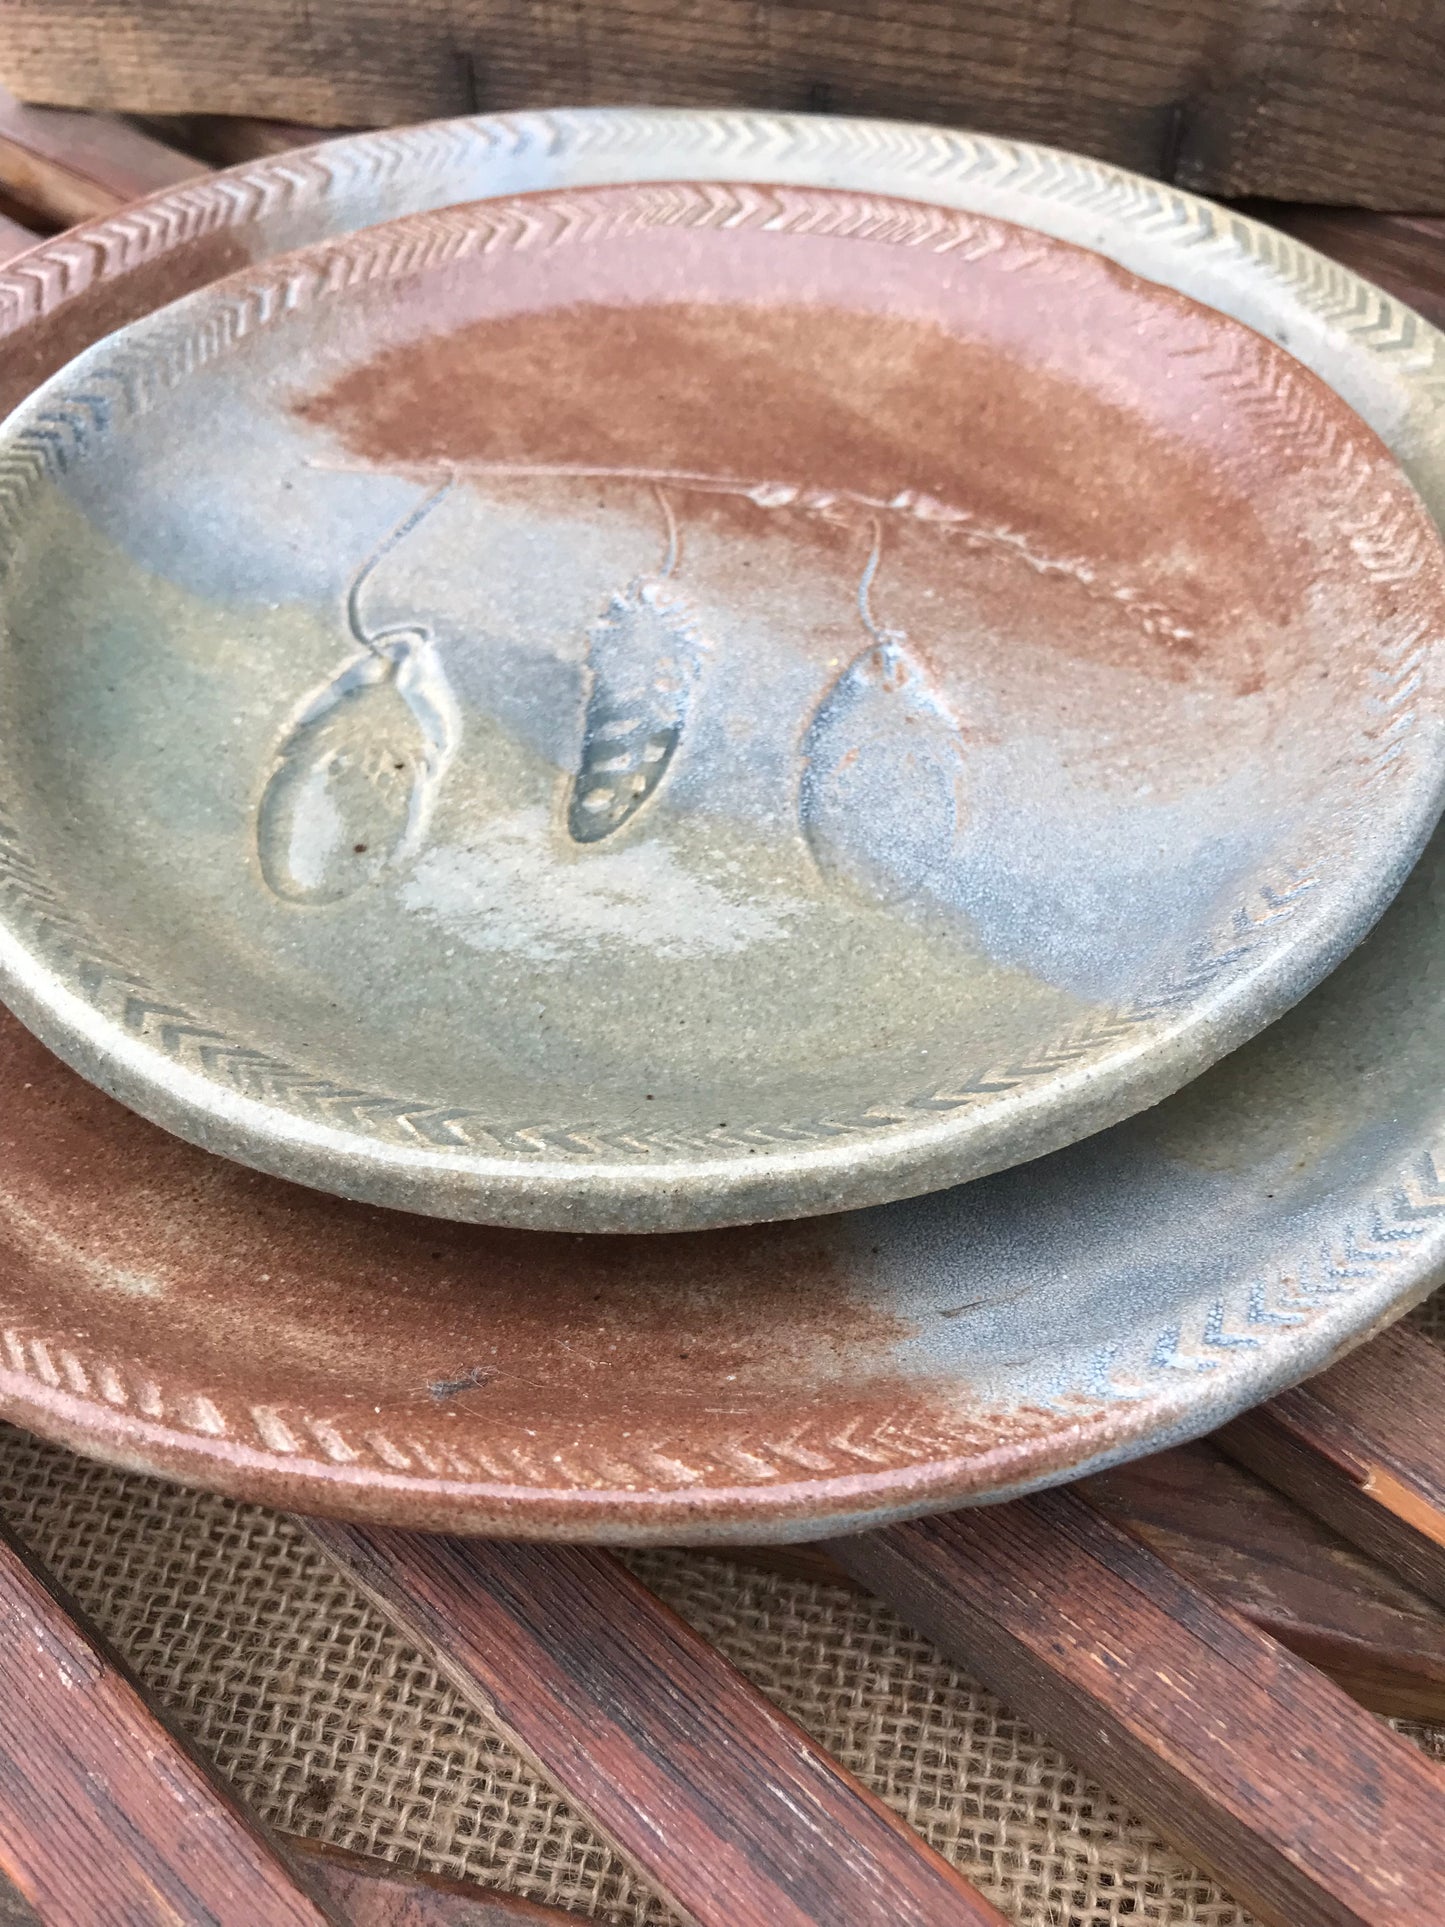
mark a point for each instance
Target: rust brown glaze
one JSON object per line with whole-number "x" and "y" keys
{"x": 235, "y": 1331}
{"x": 146, "y": 1398}
{"x": 33, "y": 354}
{"x": 1089, "y": 454}
{"x": 77, "y": 287}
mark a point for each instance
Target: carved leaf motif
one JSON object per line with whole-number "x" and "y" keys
{"x": 354, "y": 780}
{"x": 643, "y": 657}
{"x": 881, "y": 799}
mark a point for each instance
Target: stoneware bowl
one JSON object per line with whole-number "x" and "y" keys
{"x": 644, "y": 706}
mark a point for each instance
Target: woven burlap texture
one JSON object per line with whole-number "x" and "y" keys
{"x": 329, "y": 1724}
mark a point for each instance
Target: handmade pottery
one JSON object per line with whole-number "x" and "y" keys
{"x": 652, "y": 706}
{"x": 171, "y": 1311}
{"x": 174, "y": 1312}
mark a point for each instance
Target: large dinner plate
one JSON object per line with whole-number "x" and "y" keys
{"x": 172, "y": 1311}
{"x": 648, "y": 706}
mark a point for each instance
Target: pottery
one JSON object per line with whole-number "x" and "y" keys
{"x": 171, "y": 1311}
{"x": 451, "y": 760}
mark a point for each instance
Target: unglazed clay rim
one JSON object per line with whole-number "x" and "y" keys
{"x": 1312, "y": 1292}
{"x": 219, "y": 1091}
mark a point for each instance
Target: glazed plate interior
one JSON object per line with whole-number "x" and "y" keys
{"x": 646, "y": 707}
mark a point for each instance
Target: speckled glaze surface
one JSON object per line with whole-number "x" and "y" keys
{"x": 447, "y": 763}
{"x": 167, "y": 1310}
{"x": 173, "y": 1311}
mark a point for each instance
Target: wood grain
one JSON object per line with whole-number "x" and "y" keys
{"x": 1265, "y": 1557}
{"x": 1261, "y": 1555}
{"x": 68, "y": 167}
{"x": 106, "y": 1818}
{"x": 725, "y": 1804}
{"x": 14, "y": 238}
{"x": 1306, "y": 1807}
{"x": 1228, "y": 96}
{"x": 369, "y": 1893}
{"x": 1363, "y": 1448}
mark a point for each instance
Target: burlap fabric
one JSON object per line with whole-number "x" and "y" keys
{"x": 329, "y": 1724}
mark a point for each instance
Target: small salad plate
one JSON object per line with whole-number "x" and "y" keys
{"x": 646, "y": 706}
{"x": 176, "y": 1313}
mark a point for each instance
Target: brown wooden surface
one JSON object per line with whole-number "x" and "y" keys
{"x": 71, "y": 166}
{"x": 364, "y": 1892}
{"x": 1363, "y": 1448}
{"x": 106, "y": 1818}
{"x": 725, "y": 1804}
{"x": 1287, "y": 1573}
{"x": 1265, "y": 1557}
{"x": 369, "y": 1893}
{"x": 1339, "y": 103}
{"x": 14, "y": 238}
{"x": 1308, "y": 1808}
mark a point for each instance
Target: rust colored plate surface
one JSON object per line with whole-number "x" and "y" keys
{"x": 162, "y": 1309}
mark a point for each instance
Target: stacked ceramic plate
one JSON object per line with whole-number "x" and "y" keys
{"x": 676, "y": 723}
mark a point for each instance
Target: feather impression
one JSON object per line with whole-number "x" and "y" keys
{"x": 354, "y": 780}
{"x": 357, "y": 773}
{"x": 881, "y": 797}
{"x": 643, "y": 658}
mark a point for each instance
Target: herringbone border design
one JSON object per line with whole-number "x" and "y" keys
{"x": 1243, "y": 1343}
{"x": 1222, "y": 1350}
{"x": 128, "y": 380}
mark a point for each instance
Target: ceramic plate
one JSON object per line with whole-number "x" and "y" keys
{"x": 172, "y": 1311}
{"x": 449, "y": 759}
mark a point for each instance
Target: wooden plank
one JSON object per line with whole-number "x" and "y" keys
{"x": 1261, "y": 1555}
{"x": 68, "y": 167}
{"x": 365, "y": 1892}
{"x": 1265, "y": 1557}
{"x": 1363, "y": 1448}
{"x": 1306, "y": 1807}
{"x": 1229, "y": 96}
{"x": 725, "y": 1804}
{"x": 371, "y": 1893}
{"x": 106, "y": 1817}
{"x": 14, "y": 239}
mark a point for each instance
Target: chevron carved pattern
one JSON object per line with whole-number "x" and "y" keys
{"x": 292, "y": 200}
{"x": 1392, "y": 1249}
{"x": 431, "y": 161}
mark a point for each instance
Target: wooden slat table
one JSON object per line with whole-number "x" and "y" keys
{"x": 1171, "y": 1624}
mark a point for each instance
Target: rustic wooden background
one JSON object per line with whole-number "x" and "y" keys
{"x": 1335, "y": 101}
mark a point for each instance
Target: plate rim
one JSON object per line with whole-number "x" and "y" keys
{"x": 46, "y": 1385}
{"x": 863, "y": 1164}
